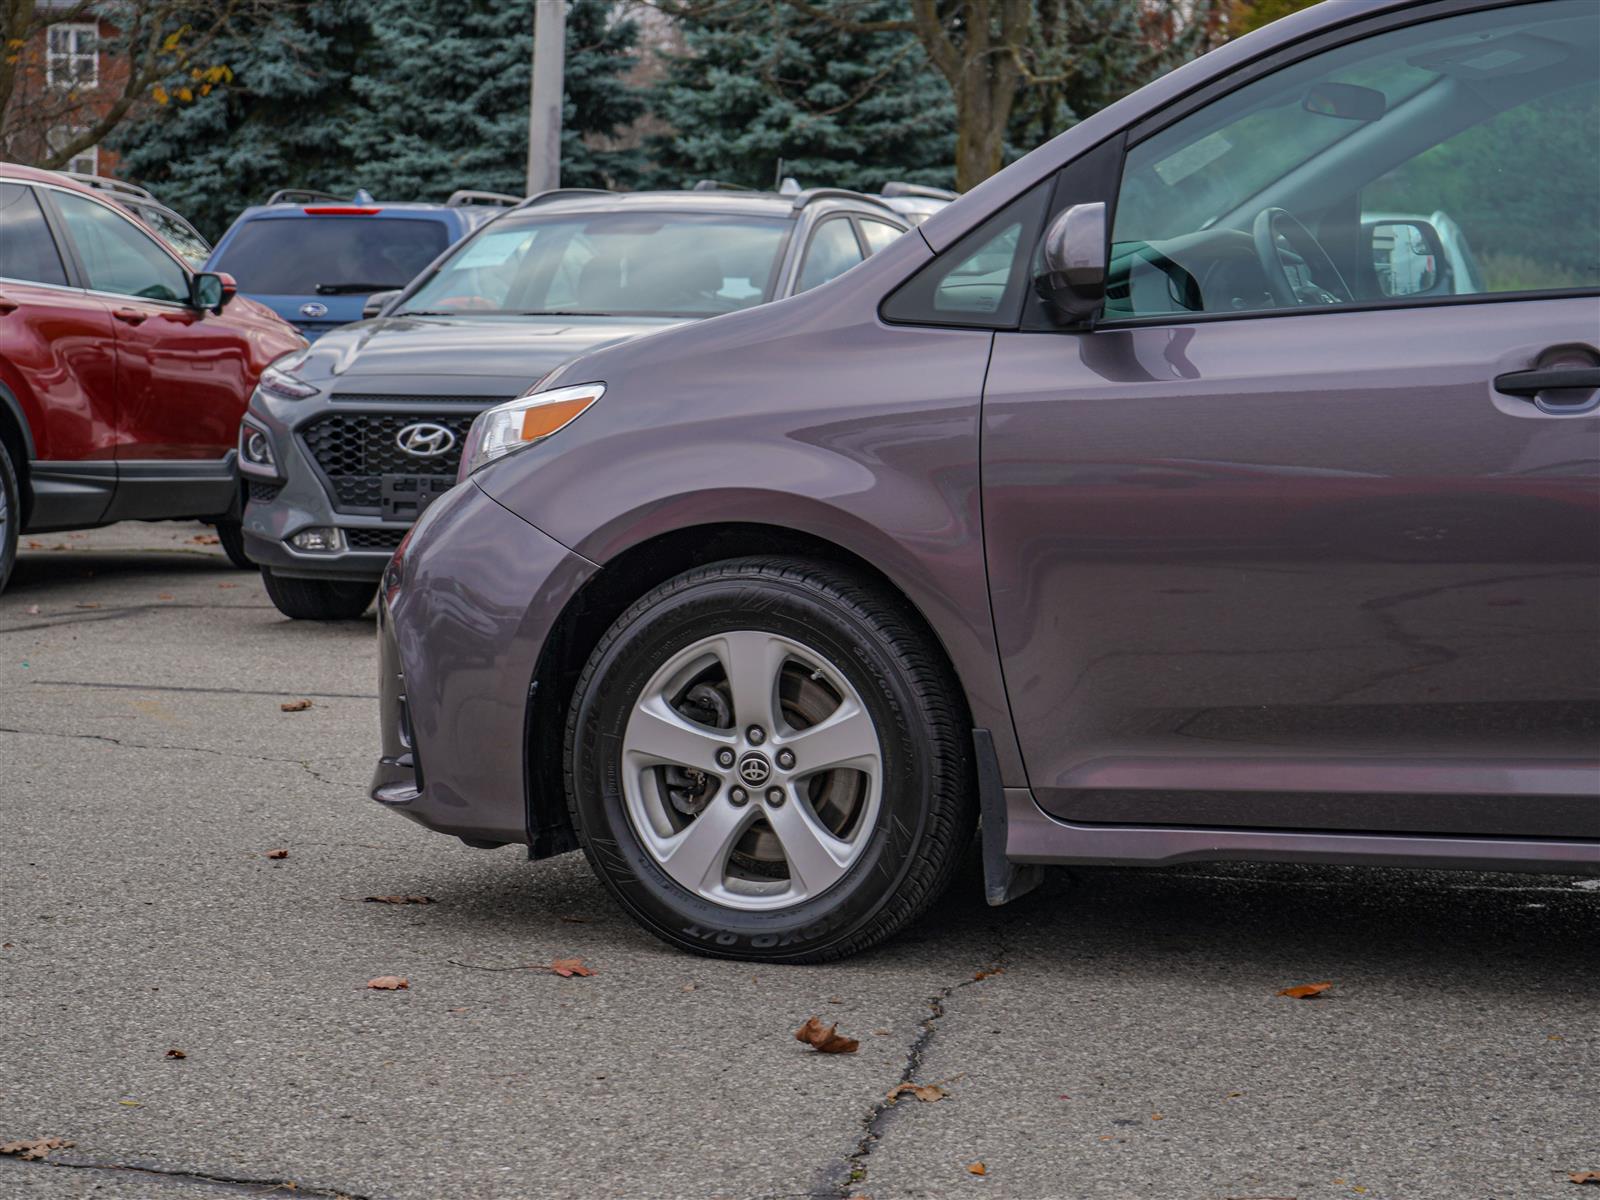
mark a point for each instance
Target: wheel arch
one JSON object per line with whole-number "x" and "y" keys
{"x": 623, "y": 579}
{"x": 17, "y": 438}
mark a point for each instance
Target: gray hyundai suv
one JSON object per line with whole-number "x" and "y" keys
{"x": 346, "y": 443}
{"x": 1135, "y": 502}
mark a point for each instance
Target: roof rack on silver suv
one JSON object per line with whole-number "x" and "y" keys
{"x": 718, "y": 185}
{"x": 810, "y": 195}
{"x": 898, "y": 188}
{"x": 467, "y": 196}
{"x": 102, "y": 184}
{"x": 560, "y": 194}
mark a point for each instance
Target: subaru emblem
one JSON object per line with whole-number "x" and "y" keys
{"x": 425, "y": 440}
{"x": 314, "y": 309}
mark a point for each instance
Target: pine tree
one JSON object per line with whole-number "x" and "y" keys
{"x": 759, "y": 82}
{"x": 409, "y": 99}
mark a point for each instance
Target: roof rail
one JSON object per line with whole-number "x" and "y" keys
{"x": 560, "y": 194}
{"x": 833, "y": 193}
{"x": 303, "y": 196}
{"x": 467, "y": 196}
{"x": 897, "y": 188}
{"x": 101, "y": 183}
{"x": 717, "y": 185}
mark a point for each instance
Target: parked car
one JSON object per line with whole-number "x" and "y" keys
{"x": 123, "y": 372}
{"x": 174, "y": 229}
{"x": 314, "y": 258}
{"x": 1020, "y": 519}
{"x": 915, "y": 202}
{"x": 345, "y": 445}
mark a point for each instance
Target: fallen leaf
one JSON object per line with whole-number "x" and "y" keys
{"x": 389, "y": 983}
{"x": 294, "y": 706}
{"x": 1157, "y": 1117}
{"x": 1575, "y": 1177}
{"x": 205, "y": 539}
{"x": 688, "y": 987}
{"x": 825, "y": 1040}
{"x": 977, "y": 1168}
{"x": 227, "y": 585}
{"x": 399, "y": 899}
{"x": 163, "y": 595}
{"x": 568, "y": 967}
{"x": 978, "y": 976}
{"x": 926, "y": 1092}
{"x": 35, "y": 1148}
{"x": 176, "y": 1053}
{"x": 277, "y": 854}
{"x": 33, "y": 610}
{"x": 1306, "y": 990}
{"x": 33, "y": 545}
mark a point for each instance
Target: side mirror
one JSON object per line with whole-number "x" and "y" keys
{"x": 211, "y": 290}
{"x": 377, "y": 302}
{"x": 1347, "y": 101}
{"x": 1407, "y": 257}
{"x": 1073, "y": 279}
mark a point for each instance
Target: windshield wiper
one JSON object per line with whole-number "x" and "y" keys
{"x": 345, "y": 289}
{"x": 425, "y": 312}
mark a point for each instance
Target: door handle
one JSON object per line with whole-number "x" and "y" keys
{"x": 8, "y": 306}
{"x": 130, "y": 315}
{"x": 1549, "y": 387}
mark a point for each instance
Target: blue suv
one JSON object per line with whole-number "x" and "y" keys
{"x": 314, "y": 258}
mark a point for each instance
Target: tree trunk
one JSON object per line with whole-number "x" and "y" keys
{"x": 981, "y": 119}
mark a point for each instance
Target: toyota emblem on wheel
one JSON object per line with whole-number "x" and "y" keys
{"x": 754, "y": 769}
{"x": 425, "y": 440}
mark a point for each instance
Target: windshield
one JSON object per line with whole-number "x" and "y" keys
{"x": 179, "y": 235}
{"x": 330, "y": 255}
{"x": 636, "y": 264}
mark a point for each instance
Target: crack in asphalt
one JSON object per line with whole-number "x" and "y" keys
{"x": 232, "y": 754}
{"x": 232, "y": 1183}
{"x": 873, "y": 1125}
{"x": 209, "y": 691}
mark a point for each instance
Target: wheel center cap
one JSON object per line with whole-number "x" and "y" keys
{"x": 754, "y": 769}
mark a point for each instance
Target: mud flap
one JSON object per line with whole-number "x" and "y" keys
{"x": 1003, "y": 880}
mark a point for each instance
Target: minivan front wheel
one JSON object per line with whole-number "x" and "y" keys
{"x": 766, "y": 759}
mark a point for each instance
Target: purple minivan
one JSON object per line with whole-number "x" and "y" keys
{"x": 1173, "y": 495}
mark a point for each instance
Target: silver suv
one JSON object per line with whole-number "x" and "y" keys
{"x": 346, "y": 443}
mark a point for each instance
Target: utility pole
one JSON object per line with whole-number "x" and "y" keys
{"x": 544, "y": 111}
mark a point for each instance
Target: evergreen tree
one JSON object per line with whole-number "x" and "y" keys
{"x": 758, "y": 82}
{"x": 409, "y": 99}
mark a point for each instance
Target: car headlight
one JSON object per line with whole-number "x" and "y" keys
{"x": 279, "y": 379}
{"x": 524, "y": 421}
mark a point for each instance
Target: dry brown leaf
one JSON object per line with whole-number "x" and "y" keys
{"x": 294, "y": 706}
{"x": 163, "y": 595}
{"x": 227, "y": 585}
{"x": 1575, "y": 1177}
{"x": 977, "y": 1168}
{"x": 979, "y": 976}
{"x": 35, "y": 1148}
{"x": 926, "y": 1092}
{"x": 277, "y": 854}
{"x": 568, "y": 967}
{"x": 389, "y": 983}
{"x": 1306, "y": 990}
{"x": 826, "y": 1040}
{"x": 176, "y": 1053}
{"x": 399, "y": 899}
{"x": 205, "y": 539}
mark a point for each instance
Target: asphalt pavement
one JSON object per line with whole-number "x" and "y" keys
{"x": 1118, "y": 1034}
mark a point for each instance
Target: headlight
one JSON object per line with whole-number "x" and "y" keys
{"x": 524, "y": 421}
{"x": 279, "y": 379}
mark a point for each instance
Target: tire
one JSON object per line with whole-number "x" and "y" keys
{"x": 319, "y": 599}
{"x": 832, "y": 861}
{"x": 10, "y": 516}
{"x": 231, "y": 535}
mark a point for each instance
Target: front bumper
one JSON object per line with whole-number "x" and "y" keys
{"x": 463, "y": 616}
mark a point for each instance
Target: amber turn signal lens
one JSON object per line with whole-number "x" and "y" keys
{"x": 546, "y": 419}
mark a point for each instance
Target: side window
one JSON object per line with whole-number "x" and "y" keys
{"x": 878, "y": 234}
{"x": 27, "y": 251}
{"x": 982, "y": 279}
{"x": 1446, "y": 158}
{"x": 116, "y": 255}
{"x": 832, "y": 252}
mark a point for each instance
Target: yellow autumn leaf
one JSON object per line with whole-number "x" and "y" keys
{"x": 172, "y": 40}
{"x": 205, "y": 89}
{"x": 195, "y": 72}
{"x": 159, "y": 94}
{"x": 185, "y": 94}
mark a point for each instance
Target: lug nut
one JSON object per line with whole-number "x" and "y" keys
{"x": 775, "y": 797}
{"x": 725, "y": 758}
{"x": 738, "y": 796}
{"x": 786, "y": 759}
{"x": 755, "y": 735}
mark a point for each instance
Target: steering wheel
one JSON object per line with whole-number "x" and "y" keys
{"x": 1304, "y": 253}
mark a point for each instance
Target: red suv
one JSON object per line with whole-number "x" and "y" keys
{"x": 122, "y": 378}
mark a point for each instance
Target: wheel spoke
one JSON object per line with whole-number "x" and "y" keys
{"x": 816, "y": 858}
{"x": 658, "y": 735}
{"x": 697, "y": 856}
{"x": 752, "y": 661}
{"x": 846, "y": 739}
